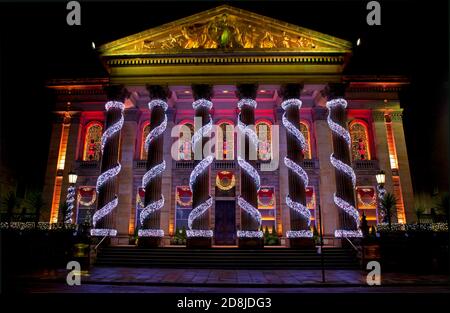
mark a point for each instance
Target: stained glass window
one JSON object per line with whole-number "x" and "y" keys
{"x": 145, "y": 132}
{"x": 263, "y": 131}
{"x": 305, "y": 131}
{"x": 185, "y": 146}
{"x": 360, "y": 141}
{"x": 225, "y": 142}
{"x": 92, "y": 142}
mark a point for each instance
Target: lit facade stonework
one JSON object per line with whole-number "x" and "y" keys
{"x": 256, "y": 50}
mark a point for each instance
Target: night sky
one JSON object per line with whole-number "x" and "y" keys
{"x": 36, "y": 44}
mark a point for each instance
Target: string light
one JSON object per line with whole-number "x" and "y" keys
{"x": 155, "y": 133}
{"x": 199, "y": 211}
{"x": 190, "y": 233}
{"x": 348, "y": 208}
{"x": 152, "y": 173}
{"x": 70, "y": 199}
{"x": 251, "y": 171}
{"x": 151, "y": 233}
{"x": 346, "y": 169}
{"x": 202, "y": 103}
{"x": 299, "y": 234}
{"x": 105, "y": 210}
{"x": 248, "y": 102}
{"x": 247, "y": 130}
{"x": 299, "y": 208}
{"x": 288, "y": 102}
{"x": 250, "y": 209}
{"x": 297, "y": 169}
{"x": 250, "y": 234}
{"x": 201, "y": 167}
{"x": 335, "y": 127}
{"x": 293, "y": 130}
{"x": 109, "y": 174}
{"x": 342, "y": 233}
{"x": 150, "y": 208}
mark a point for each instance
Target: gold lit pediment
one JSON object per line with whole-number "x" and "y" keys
{"x": 225, "y": 28}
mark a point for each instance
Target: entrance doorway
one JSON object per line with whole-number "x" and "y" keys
{"x": 225, "y": 222}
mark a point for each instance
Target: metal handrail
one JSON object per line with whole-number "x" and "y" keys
{"x": 95, "y": 248}
{"x": 351, "y": 243}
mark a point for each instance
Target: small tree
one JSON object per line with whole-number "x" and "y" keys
{"x": 388, "y": 206}
{"x": 419, "y": 211}
{"x": 10, "y": 202}
{"x": 444, "y": 205}
{"x": 36, "y": 202}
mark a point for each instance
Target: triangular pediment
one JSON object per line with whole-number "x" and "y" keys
{"x": 225, "y": 28}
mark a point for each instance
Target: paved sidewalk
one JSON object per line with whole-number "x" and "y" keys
{"x": 235, "y": 278}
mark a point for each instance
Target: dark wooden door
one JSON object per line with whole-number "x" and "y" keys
{"x": 225, "y": 232}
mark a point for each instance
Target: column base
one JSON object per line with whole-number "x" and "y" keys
{"x": 149, "y": 242}
{"x": 301, "y": 243}
{"x": 199, "y": 243}
{"x": 251, "y": 243}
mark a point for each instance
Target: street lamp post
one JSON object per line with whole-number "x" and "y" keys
{"x": 381, "y": 179}
{"x": 70, "y": 199}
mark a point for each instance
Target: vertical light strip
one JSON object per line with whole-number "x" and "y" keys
{"x": 60, "y": 167}
{"x": 396, "y": 185}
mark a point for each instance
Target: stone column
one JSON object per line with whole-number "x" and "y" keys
{"x": 250, "y": 235}
{"x": 125, "y": 193}
{"x": 199, "y": 233}
{"x": 327, "y": 181}
{"x": 344, "y": 197}
{"x": 107, "y": 184}
{"x": 403, "y": 167}
{"x": 300, "y": 217}
{"x": 152, "y": 181}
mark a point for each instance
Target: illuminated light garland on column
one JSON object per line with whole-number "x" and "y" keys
{"x": 248, "y": 131}
{"x": 70, "y": 199}
{"x": 152, "y": 173}
{"x": 299, "y": 234}
{"x": 250, "y": 209}
{"x": 296, "y": 169}
{"x": 251, "y": 171}
{"x": 201, "y": 167}
{"x": 110, "y": 173}
{"x": 381, "y": 194}
{"x": 344, "y": 168}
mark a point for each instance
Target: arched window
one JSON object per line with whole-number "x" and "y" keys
{"x": 185, "y": 142}
{"x": 304, "y": 128}
{"x": 360, "y": 140}
{"x": 263, "y": 130}
{"x": 92, "y": 141}
{"x": 145, "y": 132}
{"x": 225, "y": 141}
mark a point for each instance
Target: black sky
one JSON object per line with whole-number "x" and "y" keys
{"x": 36, "y": 44}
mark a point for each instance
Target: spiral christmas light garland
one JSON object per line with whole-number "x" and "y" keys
{"x": 297, "y": 170}
{"x": 108, "y": 174}
{"x": 152, "y": 173}
{"x": 201, "y": 167}
{"x": 344, "y": 168}
{"x": 70, "y": 199}
{"x": 253, "y": 212}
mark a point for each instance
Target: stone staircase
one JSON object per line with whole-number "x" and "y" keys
{"x": 226, "y": 258}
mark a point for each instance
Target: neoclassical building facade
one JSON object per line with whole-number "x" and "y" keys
{"x": 260, "y": 85}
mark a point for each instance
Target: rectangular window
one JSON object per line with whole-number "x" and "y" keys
{"x": 366, "y": 202}
{"x": 267, "y": 207}
{"x": 183, "y": 206}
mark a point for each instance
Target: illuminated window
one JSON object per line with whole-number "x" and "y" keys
{"x": 305, "y": 131}
{"x": 185, "y": 146}
{"x": 263, "y": 130}
{"x": 267, "y": 207}
{"x": 145, "y": 132}
{"x": 225, "y": 141}
{"x": 92, "y": 142}
{"x": 360, "y": 140}
{"x": 366, "y": 202}
{"x": 183, "y": 205}
{"x": 86, "y": 197}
